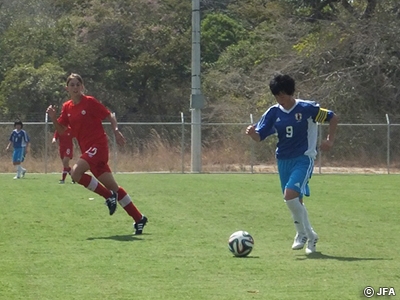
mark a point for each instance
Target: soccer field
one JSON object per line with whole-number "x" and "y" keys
{"x": 57, "y": 244}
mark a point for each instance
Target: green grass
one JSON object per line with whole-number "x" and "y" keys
{"x": 55, "y": 243}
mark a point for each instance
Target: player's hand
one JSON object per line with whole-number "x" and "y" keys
{"x": 119, "y": 138}
{"x": 250, "y": 130}
{"x": 326, "y": 145}
{"x": 51, "y": 111}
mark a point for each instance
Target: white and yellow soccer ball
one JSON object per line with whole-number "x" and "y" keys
{"x": 240, "y": 243}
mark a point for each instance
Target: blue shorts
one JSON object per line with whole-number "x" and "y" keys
{"x": 295, "y": 173}
{"x": 18, "y": 155}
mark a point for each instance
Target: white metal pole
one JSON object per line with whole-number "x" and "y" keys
{"x": 388, "y": 144}
{"x": 196, "y": 103}
{"x": 319, "y": 126}
{"x": 183, "y": 143}
{"x": 115, "y": 150}
{"x": 46, "y": 130}
{"x": 252, "y": 148}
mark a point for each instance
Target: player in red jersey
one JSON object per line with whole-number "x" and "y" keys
{"x": 66, "y": 149}
{"x": 84, "y": 114}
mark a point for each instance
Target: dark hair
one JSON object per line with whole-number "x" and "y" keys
{"x": 74, "y": 75}
{"x": 18, "y": 122}
{"x": 282, "y": 84}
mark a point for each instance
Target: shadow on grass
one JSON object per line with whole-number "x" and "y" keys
{"x": 119, "y": 238}
{"x": 319, "y": 255}
{"x": 245, "y": 257}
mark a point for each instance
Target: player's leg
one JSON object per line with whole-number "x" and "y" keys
{"x": 79, "y": 175}
{"x": 16, "y": 158}
{"x": 296, "y": 187}
{"x": 18, "y": 170}
{"x": 66, "y": 168}
{"x": 284, "y": 169}
{"x": 70, "y": 155}
{"x": 23, "y": 170}
{"x": 296, "y": 208}
{"x": 108, "y": 180}
{"x": 312, "y": 236}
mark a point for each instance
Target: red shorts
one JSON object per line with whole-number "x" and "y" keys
{"x": 97, "y": 158}
{"x": 66, "y": 152}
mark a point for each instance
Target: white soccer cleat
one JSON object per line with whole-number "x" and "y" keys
{"x": 299, "y": 241}
{"x": 312, "y": 244}
{"x": 23, "y": 173}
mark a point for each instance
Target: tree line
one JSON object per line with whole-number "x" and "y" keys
{"x": 135, "y": 55}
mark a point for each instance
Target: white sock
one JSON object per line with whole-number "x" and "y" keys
{"x": 297, "y": 210}
{"x": 92, "y": 184}
{"x": 307, "y": 225}
{"x": 19, "y": 170}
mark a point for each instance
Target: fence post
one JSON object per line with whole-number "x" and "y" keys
{"x": 115, "y": 150}
{"x": 388, "y": 144}
{"x": 319, "y": 152}
{"x": 251, "y": 149}
{"x": 183, "y": 143}
{"x": 46, "y": 128}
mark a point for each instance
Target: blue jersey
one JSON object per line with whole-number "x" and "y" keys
{"x": 19, "y": 139}
{"x": 296, "y": 128}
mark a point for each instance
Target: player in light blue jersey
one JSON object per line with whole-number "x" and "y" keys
{"x": 20, "y": 141}
{"x": 295, "y": 122}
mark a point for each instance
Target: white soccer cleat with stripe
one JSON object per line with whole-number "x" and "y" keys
{"x": 312, "y": 244}
{"x": 299, "y": 241}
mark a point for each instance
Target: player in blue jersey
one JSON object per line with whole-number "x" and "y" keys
{"x": 295, "y": 122}
{"x": 20, "y": 141}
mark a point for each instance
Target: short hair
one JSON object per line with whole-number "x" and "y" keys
{"x": 74, "y": 75}
{"x": 18, "y": 122}
{"x": 282, "y": 84}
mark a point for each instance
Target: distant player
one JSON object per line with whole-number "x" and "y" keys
{"x": 66, "y": 149}
{"x": 84, "y": 114}
{"x": 295, "y": 122}
{"x": 20, "y": 141}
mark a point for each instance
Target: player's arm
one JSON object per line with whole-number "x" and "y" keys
{"x": 27, "y": 141}
{"x": 55, "y": 137}
{"x": 254, "y": 132}
{"x": 263, "y": 128}
{"x": 27, "y": 147}
{"x": 8, "y": 146}
{"x": 325, "y": 115}
{"x": 251, "y": 132}
{"x": 104, "y": 114}
{"x": 51, "y": 111}
{"x": 114, "y": 125}
{"x": 333, "y": 122}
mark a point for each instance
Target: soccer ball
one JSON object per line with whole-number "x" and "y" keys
{"x": 240, "y": 243}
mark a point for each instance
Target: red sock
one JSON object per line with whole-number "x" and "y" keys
{"x": 125, "y": 201}
{"x": 64, "y": 173}
{"x": 92, "y": 184}
{"x": 68, "y": 170}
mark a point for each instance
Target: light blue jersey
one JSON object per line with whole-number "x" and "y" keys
{"x": 19, "y": 139}
{"x": 296, "y": 128}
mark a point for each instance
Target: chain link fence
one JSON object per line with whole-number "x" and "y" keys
{"x": 166, "y": 147}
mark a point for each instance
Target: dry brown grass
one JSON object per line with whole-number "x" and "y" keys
{"x": 171, "y": 161}
{"x": 159, "y": 155}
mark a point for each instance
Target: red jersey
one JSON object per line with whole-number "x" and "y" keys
{"x": 65, "y": 139}
{"x": 85, "y": 120}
